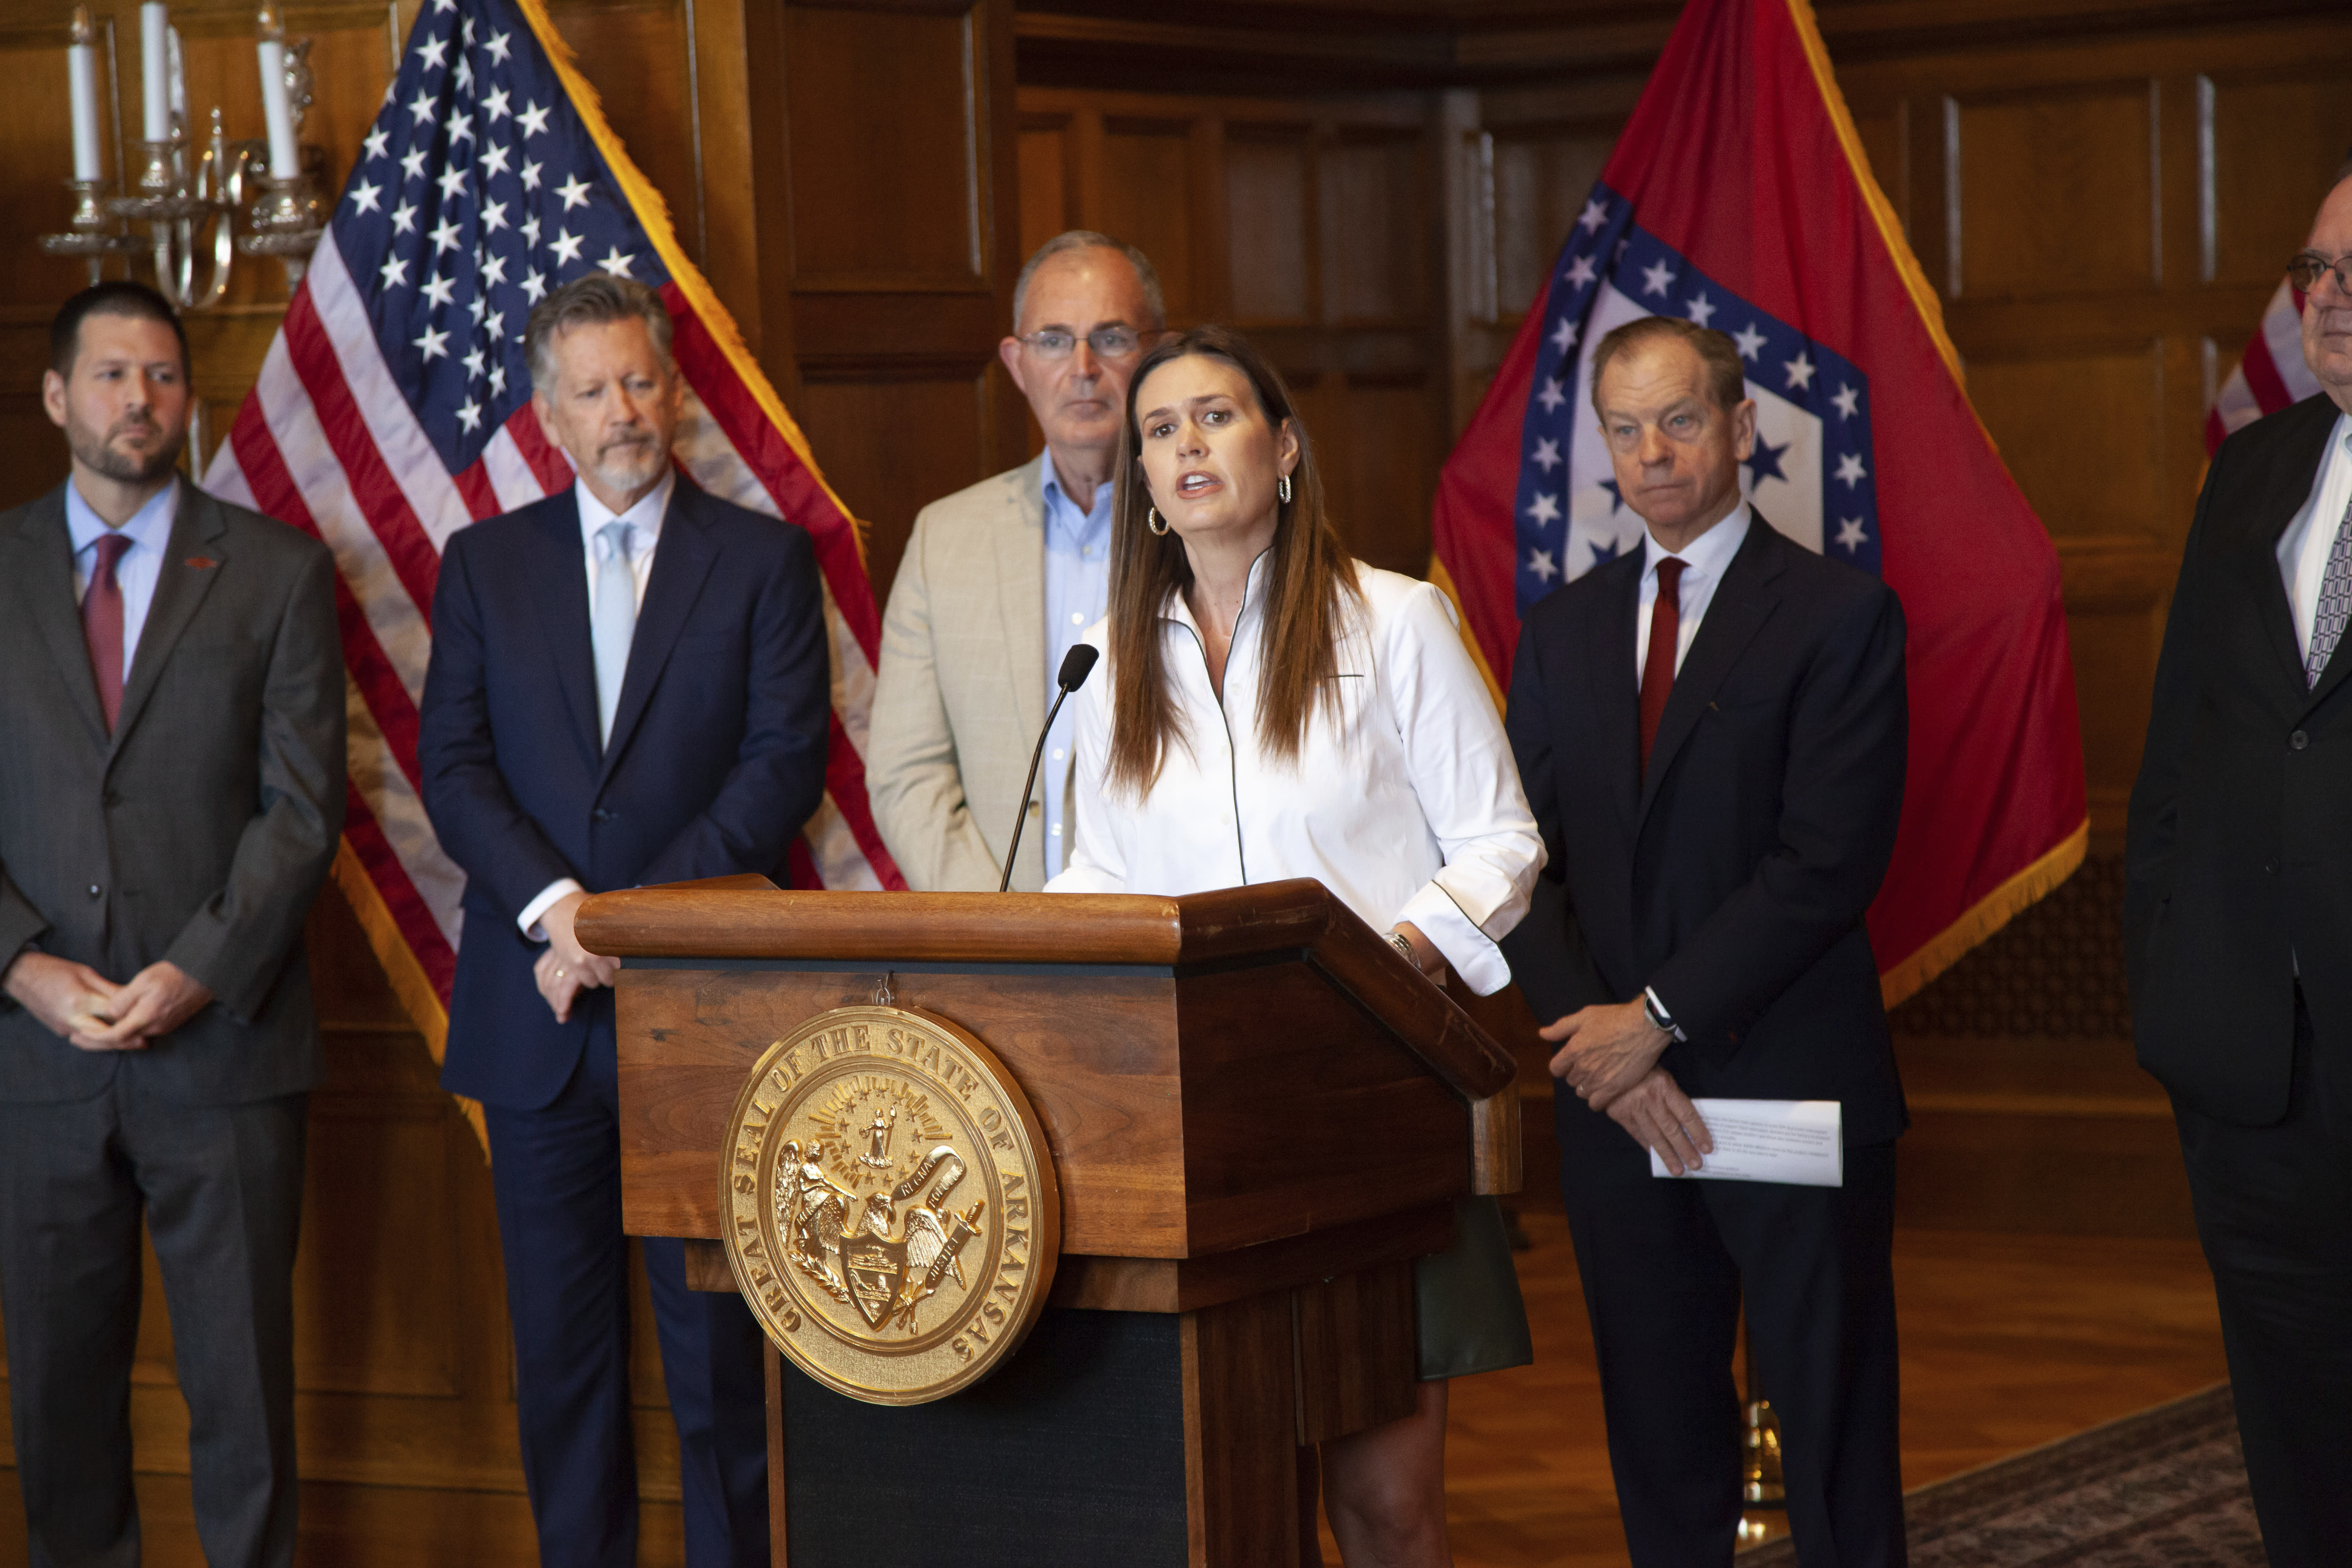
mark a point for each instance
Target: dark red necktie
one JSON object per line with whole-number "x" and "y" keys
{"x": 1658, "y": 665}
{"x": 101, "y": 624}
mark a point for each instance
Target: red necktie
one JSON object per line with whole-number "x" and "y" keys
{"x": 101, "y": 624}
{"x": 1658, "y": 666}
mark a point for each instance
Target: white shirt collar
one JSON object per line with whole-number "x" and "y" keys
{"x": 150, "y": 527}
{"x": 645, "y": 517}
{"x": 1709, "y": 553}
{"x": 1179, "y": 611}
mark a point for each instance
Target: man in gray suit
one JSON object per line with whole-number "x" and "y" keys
{"x": 1000, "y": 579}
{"x": 171, "y": 793}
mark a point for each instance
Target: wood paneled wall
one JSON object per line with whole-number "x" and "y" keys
{"x": 1309, "y": 224}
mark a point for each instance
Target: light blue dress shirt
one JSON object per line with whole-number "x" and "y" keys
{"x": 1077, "y": 594}
{"x": 149, "y": 533}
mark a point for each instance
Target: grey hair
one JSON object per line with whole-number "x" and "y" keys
{"x": 1088, "y": 239}
{"x": 590, "y": 301}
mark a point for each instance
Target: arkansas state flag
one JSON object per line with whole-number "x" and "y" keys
{"x": 1738, "y": 197}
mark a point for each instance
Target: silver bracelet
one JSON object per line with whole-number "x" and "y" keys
{"x": 1403, "y": 945}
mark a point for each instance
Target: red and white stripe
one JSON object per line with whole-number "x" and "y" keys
{"x": 326, "y": 442}
{"x": 2270, "y": 376}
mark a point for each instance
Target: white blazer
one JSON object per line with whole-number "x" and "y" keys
{"x": 1407, "y": 806}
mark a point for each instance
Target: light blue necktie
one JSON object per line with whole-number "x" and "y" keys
{"x": 612, "y": 618}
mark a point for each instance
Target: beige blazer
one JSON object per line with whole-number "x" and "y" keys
{"x": 960, "y": 694}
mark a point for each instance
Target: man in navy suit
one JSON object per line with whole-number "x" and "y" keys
{"x": 628, "y": 686}
{"x": 1712, "y": 730}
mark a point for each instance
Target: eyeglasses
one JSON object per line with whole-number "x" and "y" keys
{"x": 2306, "y": 270}
{"x": 1108, "y": 343}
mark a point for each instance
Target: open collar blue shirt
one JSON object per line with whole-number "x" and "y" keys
{"x": 1077, "y": 594}
{"x": 142, "y": 567}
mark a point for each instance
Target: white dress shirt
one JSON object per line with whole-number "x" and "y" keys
{"x": 645, "y": 520}
{"x": 1407, "y": 806}
{"x": 1704, "y": 559}
{"x": 2303, "y": 548}
{"x": 142, "y": 567}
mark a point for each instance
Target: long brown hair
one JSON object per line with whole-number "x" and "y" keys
{"x": 1306, "y": 580}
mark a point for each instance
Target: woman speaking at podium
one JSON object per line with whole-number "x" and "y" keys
{"x": 1275, "y": 710}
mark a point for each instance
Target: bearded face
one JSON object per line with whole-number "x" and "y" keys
{"x": 123, "y": 404}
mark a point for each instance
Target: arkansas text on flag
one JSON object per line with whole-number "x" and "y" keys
{"x": 1738, "y": 197}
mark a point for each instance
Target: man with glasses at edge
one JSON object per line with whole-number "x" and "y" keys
{"x": 1001, "y": 579}
{"x": 2238, "y": 913}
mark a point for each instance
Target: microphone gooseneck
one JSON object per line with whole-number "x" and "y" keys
{"x": 1076, "y": 665}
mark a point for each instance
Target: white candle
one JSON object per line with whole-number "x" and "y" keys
{"x": 276, "y": 108}
{"x": 154, "y": 68}
{"x": 81, "y": 76}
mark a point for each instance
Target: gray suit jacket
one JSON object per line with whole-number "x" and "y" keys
{"x": 201, "y": 829}
{"x": 960, "y": 694}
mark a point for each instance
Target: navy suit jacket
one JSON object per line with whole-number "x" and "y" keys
{"x": 1734, "y": 874}
{"x": 717, "y": 755}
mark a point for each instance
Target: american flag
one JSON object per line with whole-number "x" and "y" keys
{"x": 2270, "y": 375}
{"x": 394, "y": 409}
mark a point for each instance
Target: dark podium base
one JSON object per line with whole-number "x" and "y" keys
{"x": 1072, "y": 1454}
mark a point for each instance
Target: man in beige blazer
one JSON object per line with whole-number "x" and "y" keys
{"x": 1000, "y": 579}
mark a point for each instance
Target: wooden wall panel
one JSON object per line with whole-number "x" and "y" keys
{"x": 2056, "y": 190}
{"x": 902, "y": 122}
{"x": 1274, "y": 249}
{"x": 1312, "y": 224}
{"x": 1376, "y": 214}
{"x": 655, "y": 107}
{"x": 1379, "y": 464}
{"x": 2100, "y": 476}
{"x": 1045, "y": 153}
{"x": 1146, "y": 200}
{"x": 911, "y": 441}
{"x": 2276, "y": 136}
{"x": 894, "y": 210}
{"x": 1543, "y": 172}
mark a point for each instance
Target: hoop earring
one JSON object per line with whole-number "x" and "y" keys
{"x": 1282, "y": 489}
{"x": 1153, "y": 520}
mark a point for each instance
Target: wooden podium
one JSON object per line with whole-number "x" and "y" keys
{"x": 1259, "y": 1114}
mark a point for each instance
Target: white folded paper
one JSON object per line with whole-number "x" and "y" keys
{"x": 1795, "y": 1141}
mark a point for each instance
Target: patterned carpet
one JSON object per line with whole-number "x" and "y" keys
{"x": 2164, "y": 1487}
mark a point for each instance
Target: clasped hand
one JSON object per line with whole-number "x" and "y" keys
{"x": 566, "y": 969}
{"x": 1608, "y": 1055}
{"x": 93, "y": 1014}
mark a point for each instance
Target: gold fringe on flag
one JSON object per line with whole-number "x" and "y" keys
{"x": 409, "y": 984}
{"x": 653, "y": 213}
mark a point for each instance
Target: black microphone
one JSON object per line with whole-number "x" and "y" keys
{"x": 1076, "y": 665}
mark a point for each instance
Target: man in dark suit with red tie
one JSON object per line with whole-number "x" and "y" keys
{"x": 628, "y": 685}
{"x": 1712, "y": 731}
{"x": 170, "y": 794}
{"x": 2238, "y": 913}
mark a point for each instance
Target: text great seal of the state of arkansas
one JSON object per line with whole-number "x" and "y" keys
{"x": 892, "y": 1215}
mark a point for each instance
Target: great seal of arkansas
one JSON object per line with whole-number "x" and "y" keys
{"x": 892, "y": 1215}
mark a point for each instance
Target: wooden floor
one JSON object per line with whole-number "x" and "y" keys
{"x": 2008, "y": 1342}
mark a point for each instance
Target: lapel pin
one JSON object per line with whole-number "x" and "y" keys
{"x": 202, "y": 562}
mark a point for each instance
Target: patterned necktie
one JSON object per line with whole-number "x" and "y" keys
{"x": 613, "y": 619}
{"x": 2334, "y": 606}
{"x": 1658, "y": 664}
{"x": 101, "y": 624}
